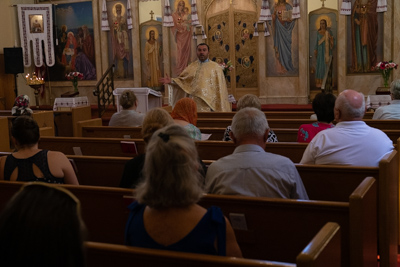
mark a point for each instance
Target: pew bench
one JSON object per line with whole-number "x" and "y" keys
{"x": 334, "y": 183}
{"x": 99, "y": 170}
{"x": 208, "y": 150}
{"x": 66, "y": 120}
{"x": 271, "y": 224}
{"x": 295, "y": 123}
{"x": 256, "y": 222}
{"x": 104, "y": 209}
{"x": 270, "y": 115}
{"x": 322, "y": 251}
{"x": 90, "y": 129}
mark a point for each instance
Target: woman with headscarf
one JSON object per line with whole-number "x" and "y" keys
{"x": 185, "y": 115}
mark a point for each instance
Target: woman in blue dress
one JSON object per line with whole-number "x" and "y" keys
{"x": 166, "y": 214}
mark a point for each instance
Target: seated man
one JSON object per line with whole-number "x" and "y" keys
{"x": 250, "y": 171}
{"x": 351, "y": 141}
{"x": 392, "y": 111}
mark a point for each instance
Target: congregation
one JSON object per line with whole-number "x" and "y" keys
{"x": 170, "y": 178}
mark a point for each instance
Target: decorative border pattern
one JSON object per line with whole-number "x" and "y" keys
{"x": 26, "y": 36}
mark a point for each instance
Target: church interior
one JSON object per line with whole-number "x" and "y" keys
{"x": 256, "y": 67}
{"x": 283, "y": 51}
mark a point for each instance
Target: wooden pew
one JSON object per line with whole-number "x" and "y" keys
{"x": 104, "y": 209}
{"x": 45, "y": 119}
{"x": 325, "y": 182}
{"x": 217, "y": 134}
{"x": 302, "y": 220}
{"x": 91, "y": 123}
{"x": 323, "y": 250}
{"x": 208, "y": 150}
{"x": 98, "y": 170}
{"x": 272, "y": 224}
{"x": 295, "y": 123}
{"x": 66, "y": 121}
{"x": 5, "y": 145}
{"x": 270, "y": 114}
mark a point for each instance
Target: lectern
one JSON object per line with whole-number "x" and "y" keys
{"x": 147, "y": 98}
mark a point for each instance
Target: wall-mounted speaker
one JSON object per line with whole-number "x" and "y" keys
{"x": 13, "y": 61}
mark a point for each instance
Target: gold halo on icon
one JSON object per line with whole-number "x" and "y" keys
{"x": 246, "y": 62}
{"x": 151, "y": 29}
{"x": 325, "y": 17}
{"x": 114, "y": 10}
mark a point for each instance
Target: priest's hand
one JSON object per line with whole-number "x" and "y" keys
{"x": 165, "y": 80}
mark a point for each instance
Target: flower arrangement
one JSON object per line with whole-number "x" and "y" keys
{"x": 226, "y": 67}
{"x": 74, "y": 76}
{"x": 385, "y": 68}
{"x": 21, "y": 106}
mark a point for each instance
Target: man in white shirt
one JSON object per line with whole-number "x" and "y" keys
{"x": 392, "y": 111}
{"x": 351, "y": 141}
{"x": 250, "y": 171}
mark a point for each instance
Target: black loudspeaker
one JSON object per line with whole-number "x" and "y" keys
{"x": 13, "y": 62}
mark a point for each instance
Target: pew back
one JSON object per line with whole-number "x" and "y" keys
{"x": 323, "y": 251}
{"x": 270, "y": 115}
{"x": 100, "y": 254}
{"x": 256, "y": 221}
{"x": 295, "y": 123}
{"x": 104, "y": 210}
{"x": 272, "y": 224}
{"x": 325, "y": 182}
{"x": 99, "y": 170}
{"x": 208, "y": 150}
{"x": 66, "y": 121}
{"x": 5, "y": 135}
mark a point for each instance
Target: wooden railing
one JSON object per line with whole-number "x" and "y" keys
{"x": 104, "y": 90}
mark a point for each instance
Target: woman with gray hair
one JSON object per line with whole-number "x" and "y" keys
{"x": 128, "y": 116}
{"x": 165, "y": 215}
{"x": 249, "y": 101}
{"x": 392, "y": 111}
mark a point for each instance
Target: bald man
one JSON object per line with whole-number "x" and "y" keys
{"x": 351, "y": 142}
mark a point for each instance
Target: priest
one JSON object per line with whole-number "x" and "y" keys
{"x": 203, "y": 80}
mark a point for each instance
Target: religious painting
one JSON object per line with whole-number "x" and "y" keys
{"x": 182, "y": 44}
{"x": 323, "y": 29}
{"x": 36, "y": 23}
{"x": 151, "y": 54}
{"x": 218, "y": 36}
{"x": 282, "y": 46}
{"x": 75, "y": 50}
{"x": 364, "y": 37}
{"x": 120, "y": 40}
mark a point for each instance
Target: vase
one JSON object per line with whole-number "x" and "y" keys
{"x": 75, "y": 85}
{"x": 386, "y": 75}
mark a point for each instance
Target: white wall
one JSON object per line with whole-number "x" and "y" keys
{"x": 146, "y": 7}
{"x": 315, "y": 4}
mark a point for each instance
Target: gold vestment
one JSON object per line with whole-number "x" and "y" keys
{"x": 205, "y": 83}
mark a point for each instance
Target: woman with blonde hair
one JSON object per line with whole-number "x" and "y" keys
{"x": 155, "y": 119}
{"x": 128, "y": 116}
{"x": 166, "y": 214}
